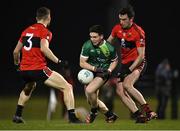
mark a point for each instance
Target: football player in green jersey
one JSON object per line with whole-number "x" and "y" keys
{"x": 100, "y": 57}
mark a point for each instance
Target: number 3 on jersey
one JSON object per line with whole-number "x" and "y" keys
{"x": 29, "y": 35}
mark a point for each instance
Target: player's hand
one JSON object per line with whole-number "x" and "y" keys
{"x": 105, "y": 74}
{"x": 62, "y": 63}
{"x": 122, "y": 74}
{"x": 17, "y": 67}
{"x": 99, "y": 70}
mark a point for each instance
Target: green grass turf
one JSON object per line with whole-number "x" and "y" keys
{"x": 36, "y": 108}
{"x": 99, "y": 124}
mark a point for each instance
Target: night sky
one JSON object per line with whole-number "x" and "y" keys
{"x": 71, "y": 21}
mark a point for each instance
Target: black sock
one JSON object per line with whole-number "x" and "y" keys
{"x": 108, "y": 114}
{"x": 136, "y": 114}
{"x": 71, "y": 114}
{"x": 19, "y": 110}
{"x": 94, "y": 110}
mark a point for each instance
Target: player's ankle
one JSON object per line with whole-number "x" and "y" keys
{"x": 136, "y": 114}
{"x": 146, "y": 108}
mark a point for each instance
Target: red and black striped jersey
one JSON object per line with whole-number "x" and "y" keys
{"x": 130, "y": 40}
{"x": 32, "y": 57}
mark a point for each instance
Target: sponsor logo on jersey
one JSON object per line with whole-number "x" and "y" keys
{"x": 92, "y": 50}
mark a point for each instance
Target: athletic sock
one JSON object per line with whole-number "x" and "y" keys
{"x": 94, "y": 110}
{"x": 71, "y": 114}
{"x": 146, "y": 108}
{"x": 19, "y": 110}
{"x": 108, "y": 114}
{"x": 136, "y": 114}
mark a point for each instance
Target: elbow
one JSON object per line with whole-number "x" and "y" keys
{"x": 42, "y": 50}
{"x": 116, "y": 62}
{"x": 142, "y": 56}
{"x": 15, "y": 52}
{"x": 81, "y": 64}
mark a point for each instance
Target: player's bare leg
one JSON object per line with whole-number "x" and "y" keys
{"x": 58, "y": 82}
{"x": 129, "y": 102}
{"x": 110, "y": 116}
{"x": 128, "y": 84}
{"x": 126, "y": 99}
{"x": 92, "y": 95}
{"x": 102, "y": 107}
{"x": 91, "y": 92}
{"x": 149, "y": 113}
{"x": 23, "y": 98}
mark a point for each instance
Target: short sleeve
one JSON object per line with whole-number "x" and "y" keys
{"x": 140, "y": 42}
{"x": 114, "y": 31}
{"x": 46, "y": 35}
{"x": 85, "y": 50}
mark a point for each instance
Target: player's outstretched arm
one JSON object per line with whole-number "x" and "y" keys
{"x": 16, "y": 53}
{"x": 47, "y": 52}
{"x": 83, "y": 64}
{"x": 110, "y": 39}
{"x": 137, "y": 62}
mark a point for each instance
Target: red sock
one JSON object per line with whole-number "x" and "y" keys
{"x": 146, "y": 108}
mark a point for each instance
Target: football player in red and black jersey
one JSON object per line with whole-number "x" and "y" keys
{"x": 33, "y": 46}
{"x": 133, "y": 63}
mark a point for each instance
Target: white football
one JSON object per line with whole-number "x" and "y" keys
{"x": 85, "y": 76}
{"x": 81, "y": 113}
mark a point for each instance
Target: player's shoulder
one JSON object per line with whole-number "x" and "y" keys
{"x": 26, "y": 29}
{"x": 87, "y": 43}
{"x": 40, "y": 27}
{"x": 117, "y": 27}
{"x": 138, "y": 28}
{"x": 35, "y": 27}
{"x": 109, "y": 45}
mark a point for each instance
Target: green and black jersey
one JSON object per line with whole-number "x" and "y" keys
{"x": 100, "y": 56}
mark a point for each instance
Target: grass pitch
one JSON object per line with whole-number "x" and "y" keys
{"x": 99, "y": 124}
{"x": 36, "y": 109}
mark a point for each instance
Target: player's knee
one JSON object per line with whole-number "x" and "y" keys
{"x": 68, "y": 87}
{"x": 89, "y": 91}
{"x": 29, "y": 88}
{"x": 127, "y": 85}
{"x": 120, "y": 92}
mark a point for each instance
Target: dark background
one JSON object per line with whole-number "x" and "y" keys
{"x": 71, "y": 20}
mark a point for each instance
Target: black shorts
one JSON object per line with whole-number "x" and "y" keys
{"x": 142, "y": 67}
{"x": 102, "y": 76}
{"x": 35, "y": 75}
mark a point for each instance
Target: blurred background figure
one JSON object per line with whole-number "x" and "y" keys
{"x": 51, "y": 104}
{"x": 174, "y": 95}
{"x": 107, "y": 93}
{"x": 164, "y": 80}
{"x": 57, "y": 96}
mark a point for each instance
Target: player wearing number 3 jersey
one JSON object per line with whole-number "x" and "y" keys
{"x": 33, "y": 46}
{"x": 32, "y": 57}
